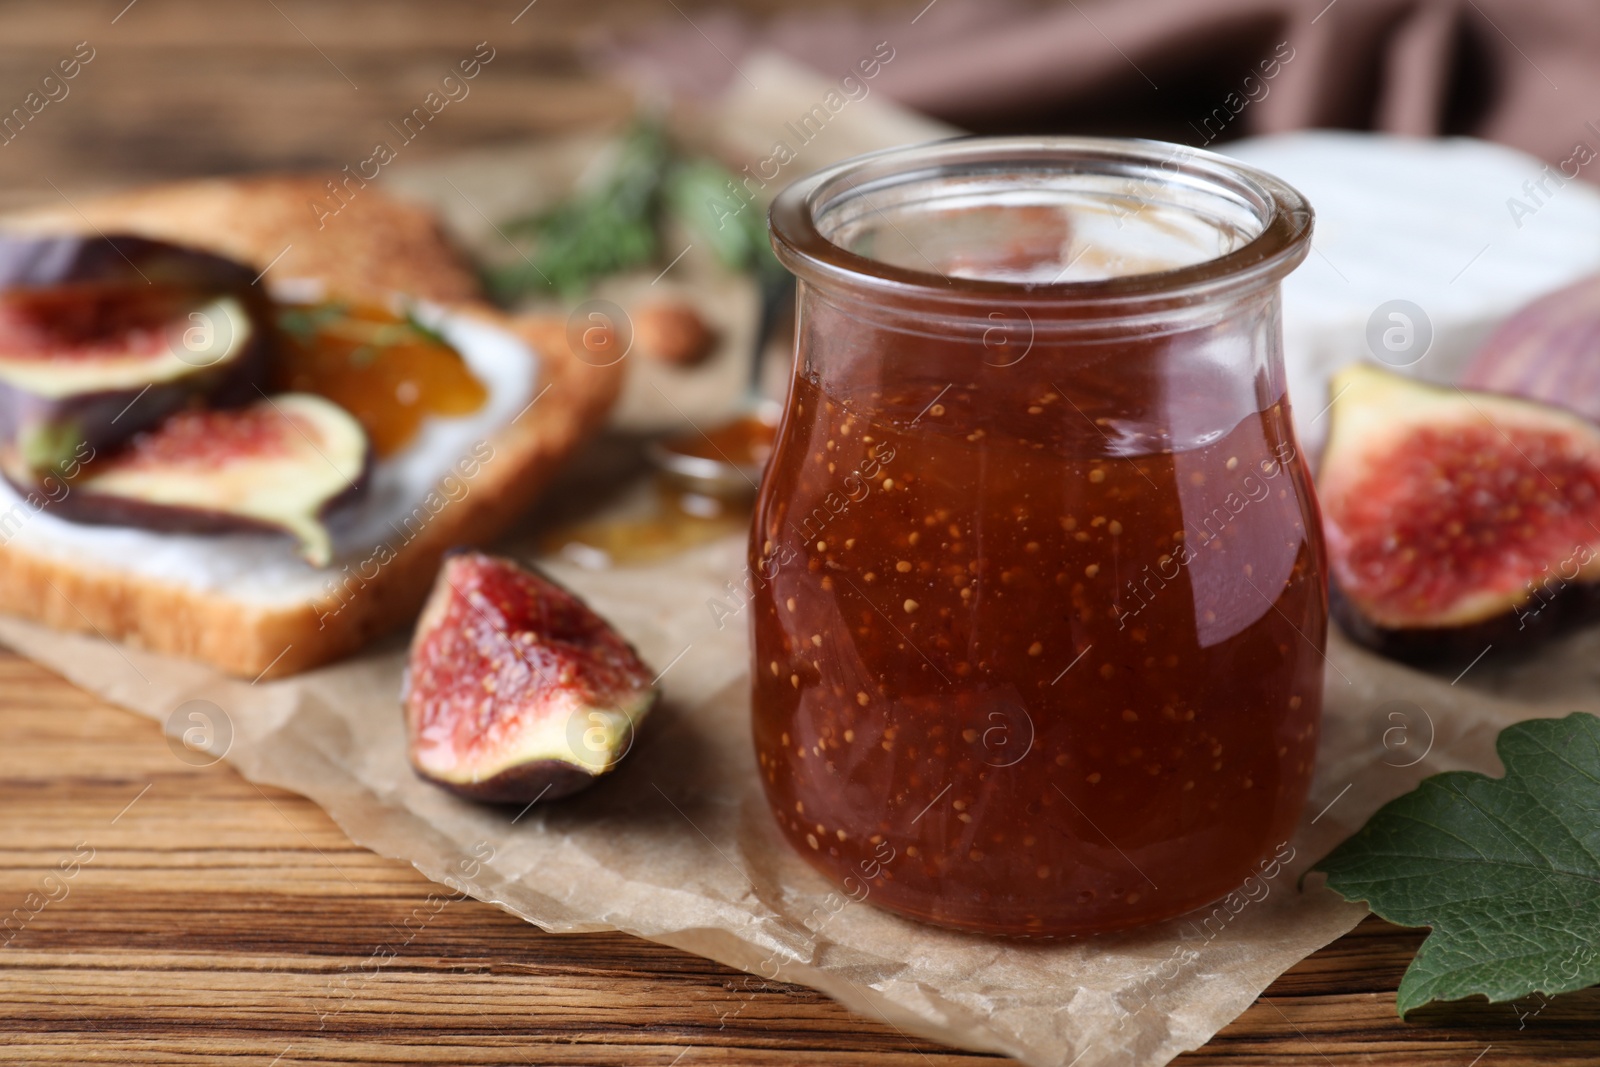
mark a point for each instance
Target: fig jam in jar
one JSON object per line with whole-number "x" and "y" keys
{"x": 1039, "y": 598}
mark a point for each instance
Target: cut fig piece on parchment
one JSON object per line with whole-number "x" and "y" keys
{"x": 102, "y": 337}
{"x": 516, "y": 690}
{"x": 286, "y": 463}
{"x": 1457, "y": 519}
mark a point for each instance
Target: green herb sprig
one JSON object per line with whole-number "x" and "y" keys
{"x": 615, "y": 225}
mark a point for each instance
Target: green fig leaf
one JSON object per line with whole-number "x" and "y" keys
{"x": 1506, "y": 871}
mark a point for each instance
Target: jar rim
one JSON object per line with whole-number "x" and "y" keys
{"x": 1285, "y": 217}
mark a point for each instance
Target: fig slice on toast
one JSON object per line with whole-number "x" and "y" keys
{"x": 285, "y": 463}
{"x": 102, "y": 337}
{"x": 1456, "y": 519}
{"x": 516, "y": 690}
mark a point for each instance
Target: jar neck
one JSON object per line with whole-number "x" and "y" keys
{"x": 1110, "y": 196}
{"x": 1064, "y": 323}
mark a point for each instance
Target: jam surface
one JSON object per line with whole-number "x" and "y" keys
{"x": 387, "y": 370}
{"x": 1064, "y": 675}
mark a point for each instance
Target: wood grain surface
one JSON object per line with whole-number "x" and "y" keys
{"x": 179, "y": 88}
{"x": 165, "y": 913}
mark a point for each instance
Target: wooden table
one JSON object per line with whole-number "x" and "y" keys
{"x": 209, "y": 918}
{"x": 218, "y": 919}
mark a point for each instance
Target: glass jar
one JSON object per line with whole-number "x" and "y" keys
{"x": 1040, "y": 602}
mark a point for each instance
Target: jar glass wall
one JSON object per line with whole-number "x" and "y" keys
{"x": 1040, "y": 601}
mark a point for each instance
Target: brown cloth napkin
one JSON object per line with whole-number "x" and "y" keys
{"x": 1522, "y": 72}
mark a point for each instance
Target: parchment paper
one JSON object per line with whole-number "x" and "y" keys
{"x": 678, "y": 845}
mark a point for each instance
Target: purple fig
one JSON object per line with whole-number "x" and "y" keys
{"x": 1456, "y": 519}
{"x": 1547, "y": 351}
{"x": 516, "y": 690}
{"x": 284, "y": 464}
{"x": 101, "y": 338}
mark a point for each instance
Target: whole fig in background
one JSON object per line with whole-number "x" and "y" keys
{"x": 1549, "y": 351}
{"x": 1456, "y": 519}
{"x": 102, "y": 337}
{"x": 516, "y": 690}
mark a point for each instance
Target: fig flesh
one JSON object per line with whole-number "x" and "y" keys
{"x": 516, "y": 690}
{"x": 101, "y": 338}
{"x": 284, "y": 464}
{"x": 1455, "y": 519}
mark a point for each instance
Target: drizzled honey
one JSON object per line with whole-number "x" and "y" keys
{"x": 388, "y": 370}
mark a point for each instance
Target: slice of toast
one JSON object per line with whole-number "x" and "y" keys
{"x": 289, "y": 620}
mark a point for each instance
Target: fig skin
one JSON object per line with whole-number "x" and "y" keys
{"x": 196, "y": 499}
{"x": 541, "y": 780}
{"x": 39, "y": 261}
{"x": 1546, "y": 351}
{"x": 1504, "y": 555}
{"x": 1573, "y": 606}
{"x": 515, "y": 691}
{"x": 41, "y": 428}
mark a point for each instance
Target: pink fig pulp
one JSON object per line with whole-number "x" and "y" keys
{"x": 516, "y": 690}
{"x": 1457, "y": 519}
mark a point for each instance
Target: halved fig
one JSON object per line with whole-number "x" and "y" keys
{"x": 1456, "y": 519}
{"x": 516, "y": 690}
{"x": 285, "y": 463}
{"x": 101, "y": 338}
